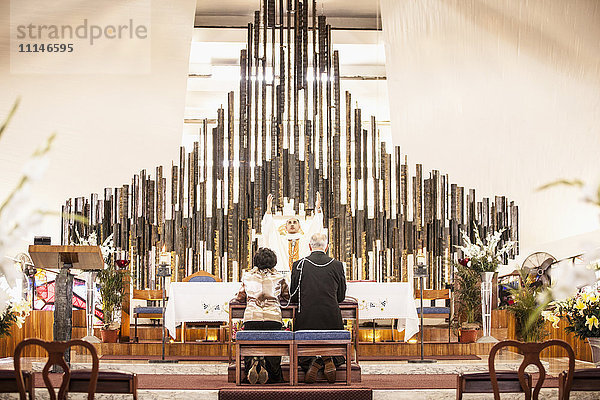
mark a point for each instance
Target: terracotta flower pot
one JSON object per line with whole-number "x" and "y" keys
{"x": 109, "y": 335}
{"x": 467, "y": 335}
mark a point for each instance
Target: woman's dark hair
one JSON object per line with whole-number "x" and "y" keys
{"x": 265, "y": 258}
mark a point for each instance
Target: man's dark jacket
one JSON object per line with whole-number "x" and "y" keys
{"x": 321, "y": 289}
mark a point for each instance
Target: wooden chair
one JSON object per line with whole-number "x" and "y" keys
{"x": 584, "y": 380}
{"x": 322, "y": 343}
{"x": 531, "y": 356}
{"x": 151, "y": 310}
{"x": 8, "y": 382}
{"x": 201, "y": 276}
{"x": 56, "y": 351}
{"x": 108, "y": 382}
{"x": 479, "y": 382}
{"x": 435, "y": 310}
{"x": 263, "y": 343}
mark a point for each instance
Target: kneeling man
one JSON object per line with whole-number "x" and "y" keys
{"x": 318, "y": 286}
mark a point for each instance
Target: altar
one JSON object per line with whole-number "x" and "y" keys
{"x": 209, "y": 302}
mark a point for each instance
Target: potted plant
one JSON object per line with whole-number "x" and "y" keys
{"x": 467, "y": 301}
{"x": 110, "y": 282}
{"x": 526, "y": 309}
{"x": 582, "y": 313}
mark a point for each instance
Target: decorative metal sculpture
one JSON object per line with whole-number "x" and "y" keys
{"x": 288, "y": 141}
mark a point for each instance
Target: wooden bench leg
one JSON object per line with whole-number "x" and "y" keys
{"x": 348, "y": 364}
{"x": 238, "y": 365}
{"x": 293, "y": 367}
{"x": 294, "y": 364}
{"x": 134, "y": 385}
{"x": 561, "y": 386}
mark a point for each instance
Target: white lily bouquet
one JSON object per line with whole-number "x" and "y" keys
{"x": 484, "y": 255}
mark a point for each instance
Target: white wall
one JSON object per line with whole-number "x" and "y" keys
{"x": 109, "y": 126}
{"x": 504, "y": 96}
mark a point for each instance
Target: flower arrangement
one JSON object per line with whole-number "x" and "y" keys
{"x": 110, "y": 280}
{"x": 581, "y": 311}
{"x": 484, "y": 255}
{"x": 13, "y": 308}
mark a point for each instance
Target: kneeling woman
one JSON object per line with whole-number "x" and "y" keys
{"x": 262, "y": 289}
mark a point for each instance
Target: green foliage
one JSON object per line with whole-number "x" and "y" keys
{"x": 467, "y": 296}
{"x": 110, "y": 281}
{"x": 527, "y": 311}
{"x": 6, "y": 321}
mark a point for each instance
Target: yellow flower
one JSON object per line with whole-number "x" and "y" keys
{"x": 580, "y": 305}
{"x": 592, "y": 322}
{"x": 589, "y": 297}
{"x": 551, "y": 317}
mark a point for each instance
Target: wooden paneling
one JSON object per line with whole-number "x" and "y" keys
{"x": 37, "y": 325}
{"x": 79, "y": 319}
{"x": 430, "y": 349}
{"x": 171, "y": 349}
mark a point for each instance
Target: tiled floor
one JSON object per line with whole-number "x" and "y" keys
{"x": 505, "y": 360}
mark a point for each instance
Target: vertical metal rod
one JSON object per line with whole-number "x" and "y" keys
{"x": 163, "y": 318}
{"x": 422, "y": 336}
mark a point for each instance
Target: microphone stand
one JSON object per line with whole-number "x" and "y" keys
{"x": 421, "y": 272}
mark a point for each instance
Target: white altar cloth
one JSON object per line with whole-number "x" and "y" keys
{"x": 209, "y": 301}
{"x": 198, "y": 302}
{"x": 379, "y": 300}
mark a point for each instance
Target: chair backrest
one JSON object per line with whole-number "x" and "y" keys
{"x": 531, "y": 356}
{"x": 148, "y": 294}
{"x": 201, "y": 276}
{"x": 433, "y": 294}
{"x": 56, "y": 351}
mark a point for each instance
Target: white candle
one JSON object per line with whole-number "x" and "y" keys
{"x": 164, "y": 257}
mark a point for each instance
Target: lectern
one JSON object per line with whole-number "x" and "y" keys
{"x": 64, "y": 258}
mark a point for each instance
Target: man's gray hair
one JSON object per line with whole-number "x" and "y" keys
{"x": 318, "y": 241}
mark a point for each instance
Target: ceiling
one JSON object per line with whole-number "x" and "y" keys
{"x": 362, "y": 14}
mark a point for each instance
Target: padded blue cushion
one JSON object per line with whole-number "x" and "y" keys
{"x": 434, "y": 310}
{"x": 147, "y": 310}
{"x": 322, "y": 335}
{"x": 264, "y": 335}
{"x": 202, "y": 279}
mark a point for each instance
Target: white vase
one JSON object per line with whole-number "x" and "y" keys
{"x": 486, "y": 307}
{"x": 595, "y": 346}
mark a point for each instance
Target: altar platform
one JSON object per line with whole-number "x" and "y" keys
{"x": 383, "y": 380}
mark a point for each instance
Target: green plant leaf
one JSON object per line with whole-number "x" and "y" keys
{"x": 10, "y": 115}
{"x": 561, "y": 182}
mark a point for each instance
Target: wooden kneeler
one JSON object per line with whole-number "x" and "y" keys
{"x": 264, "y": 344}
{"x": 322, "y": 343}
